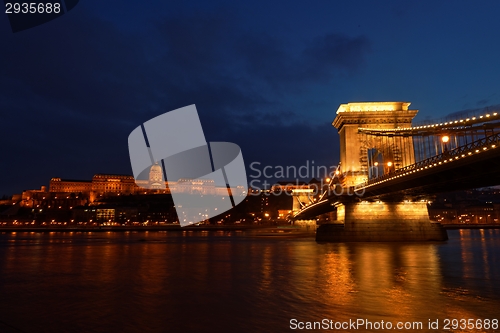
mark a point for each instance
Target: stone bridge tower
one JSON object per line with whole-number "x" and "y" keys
{"x": 365, "y": 156}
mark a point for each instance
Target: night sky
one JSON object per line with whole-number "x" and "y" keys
{"x": 266, "y": 76}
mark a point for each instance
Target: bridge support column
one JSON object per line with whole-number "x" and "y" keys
{"x": 306, "y": 225}
{"x": 381, "y": 221}
{"x": 302, "y": 197}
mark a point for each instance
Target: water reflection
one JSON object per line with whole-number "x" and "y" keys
{"x": 201, "y": 281}
{"x": 374, "y": 281}
{"x": 477, "y": 265}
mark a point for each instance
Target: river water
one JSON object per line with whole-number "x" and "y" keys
{"x": 234, "y": 282}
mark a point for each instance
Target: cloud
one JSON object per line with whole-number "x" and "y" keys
{"x": 271, "y": 61}
{"x": 471, "y": 112}
{"x": 335, "y": 52}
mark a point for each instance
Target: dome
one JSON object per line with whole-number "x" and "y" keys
{"x": 155, "y": 168}
{"x": 156, "y": 175}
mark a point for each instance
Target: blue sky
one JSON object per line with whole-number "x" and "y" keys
{"x": 267, "y": 76}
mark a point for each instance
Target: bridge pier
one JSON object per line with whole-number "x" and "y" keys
{"x": 301, "y": 197}
{"x": 381, "y": 222}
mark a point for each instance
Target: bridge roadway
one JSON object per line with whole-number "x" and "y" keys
{"x": 474, "y": 165}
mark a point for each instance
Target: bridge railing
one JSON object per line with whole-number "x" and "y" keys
{"x": 491, "y": 141}
{"x": 457, "y": 115}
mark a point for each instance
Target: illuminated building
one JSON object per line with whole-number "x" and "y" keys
{"x": 119, "y": 198}
{"x": 103, "y": 185}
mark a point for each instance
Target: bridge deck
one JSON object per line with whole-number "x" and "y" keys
{"x": 474, "y": 165}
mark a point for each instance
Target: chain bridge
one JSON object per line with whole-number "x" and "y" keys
{"x": 389, "y": 168}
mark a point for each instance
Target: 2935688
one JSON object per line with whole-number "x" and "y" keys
{"x": 32, "y": 8}
{"x": 471, "y": 324}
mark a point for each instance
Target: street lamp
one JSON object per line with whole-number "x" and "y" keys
{"x": 445, "y": 139}
{"x": 388, "y": 167}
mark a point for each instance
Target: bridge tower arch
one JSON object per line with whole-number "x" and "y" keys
{"x": 355, "y": 148}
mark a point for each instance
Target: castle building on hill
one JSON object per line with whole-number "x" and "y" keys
{"x": 69, "y": 193}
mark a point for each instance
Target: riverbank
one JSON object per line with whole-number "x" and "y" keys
{"x": 135, "y": 228}
{"x": 237, "y": 227}
{"x": 471, "y": 226}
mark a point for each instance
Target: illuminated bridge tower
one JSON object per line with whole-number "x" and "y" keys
{"x": 362, "y": 156}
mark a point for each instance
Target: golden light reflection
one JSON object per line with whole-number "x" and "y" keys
{"x": 339, "y": 283}
{"x": 466, "y": 254}
{"x": 266, "y": 269}
{"x": 399, "y": 281}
